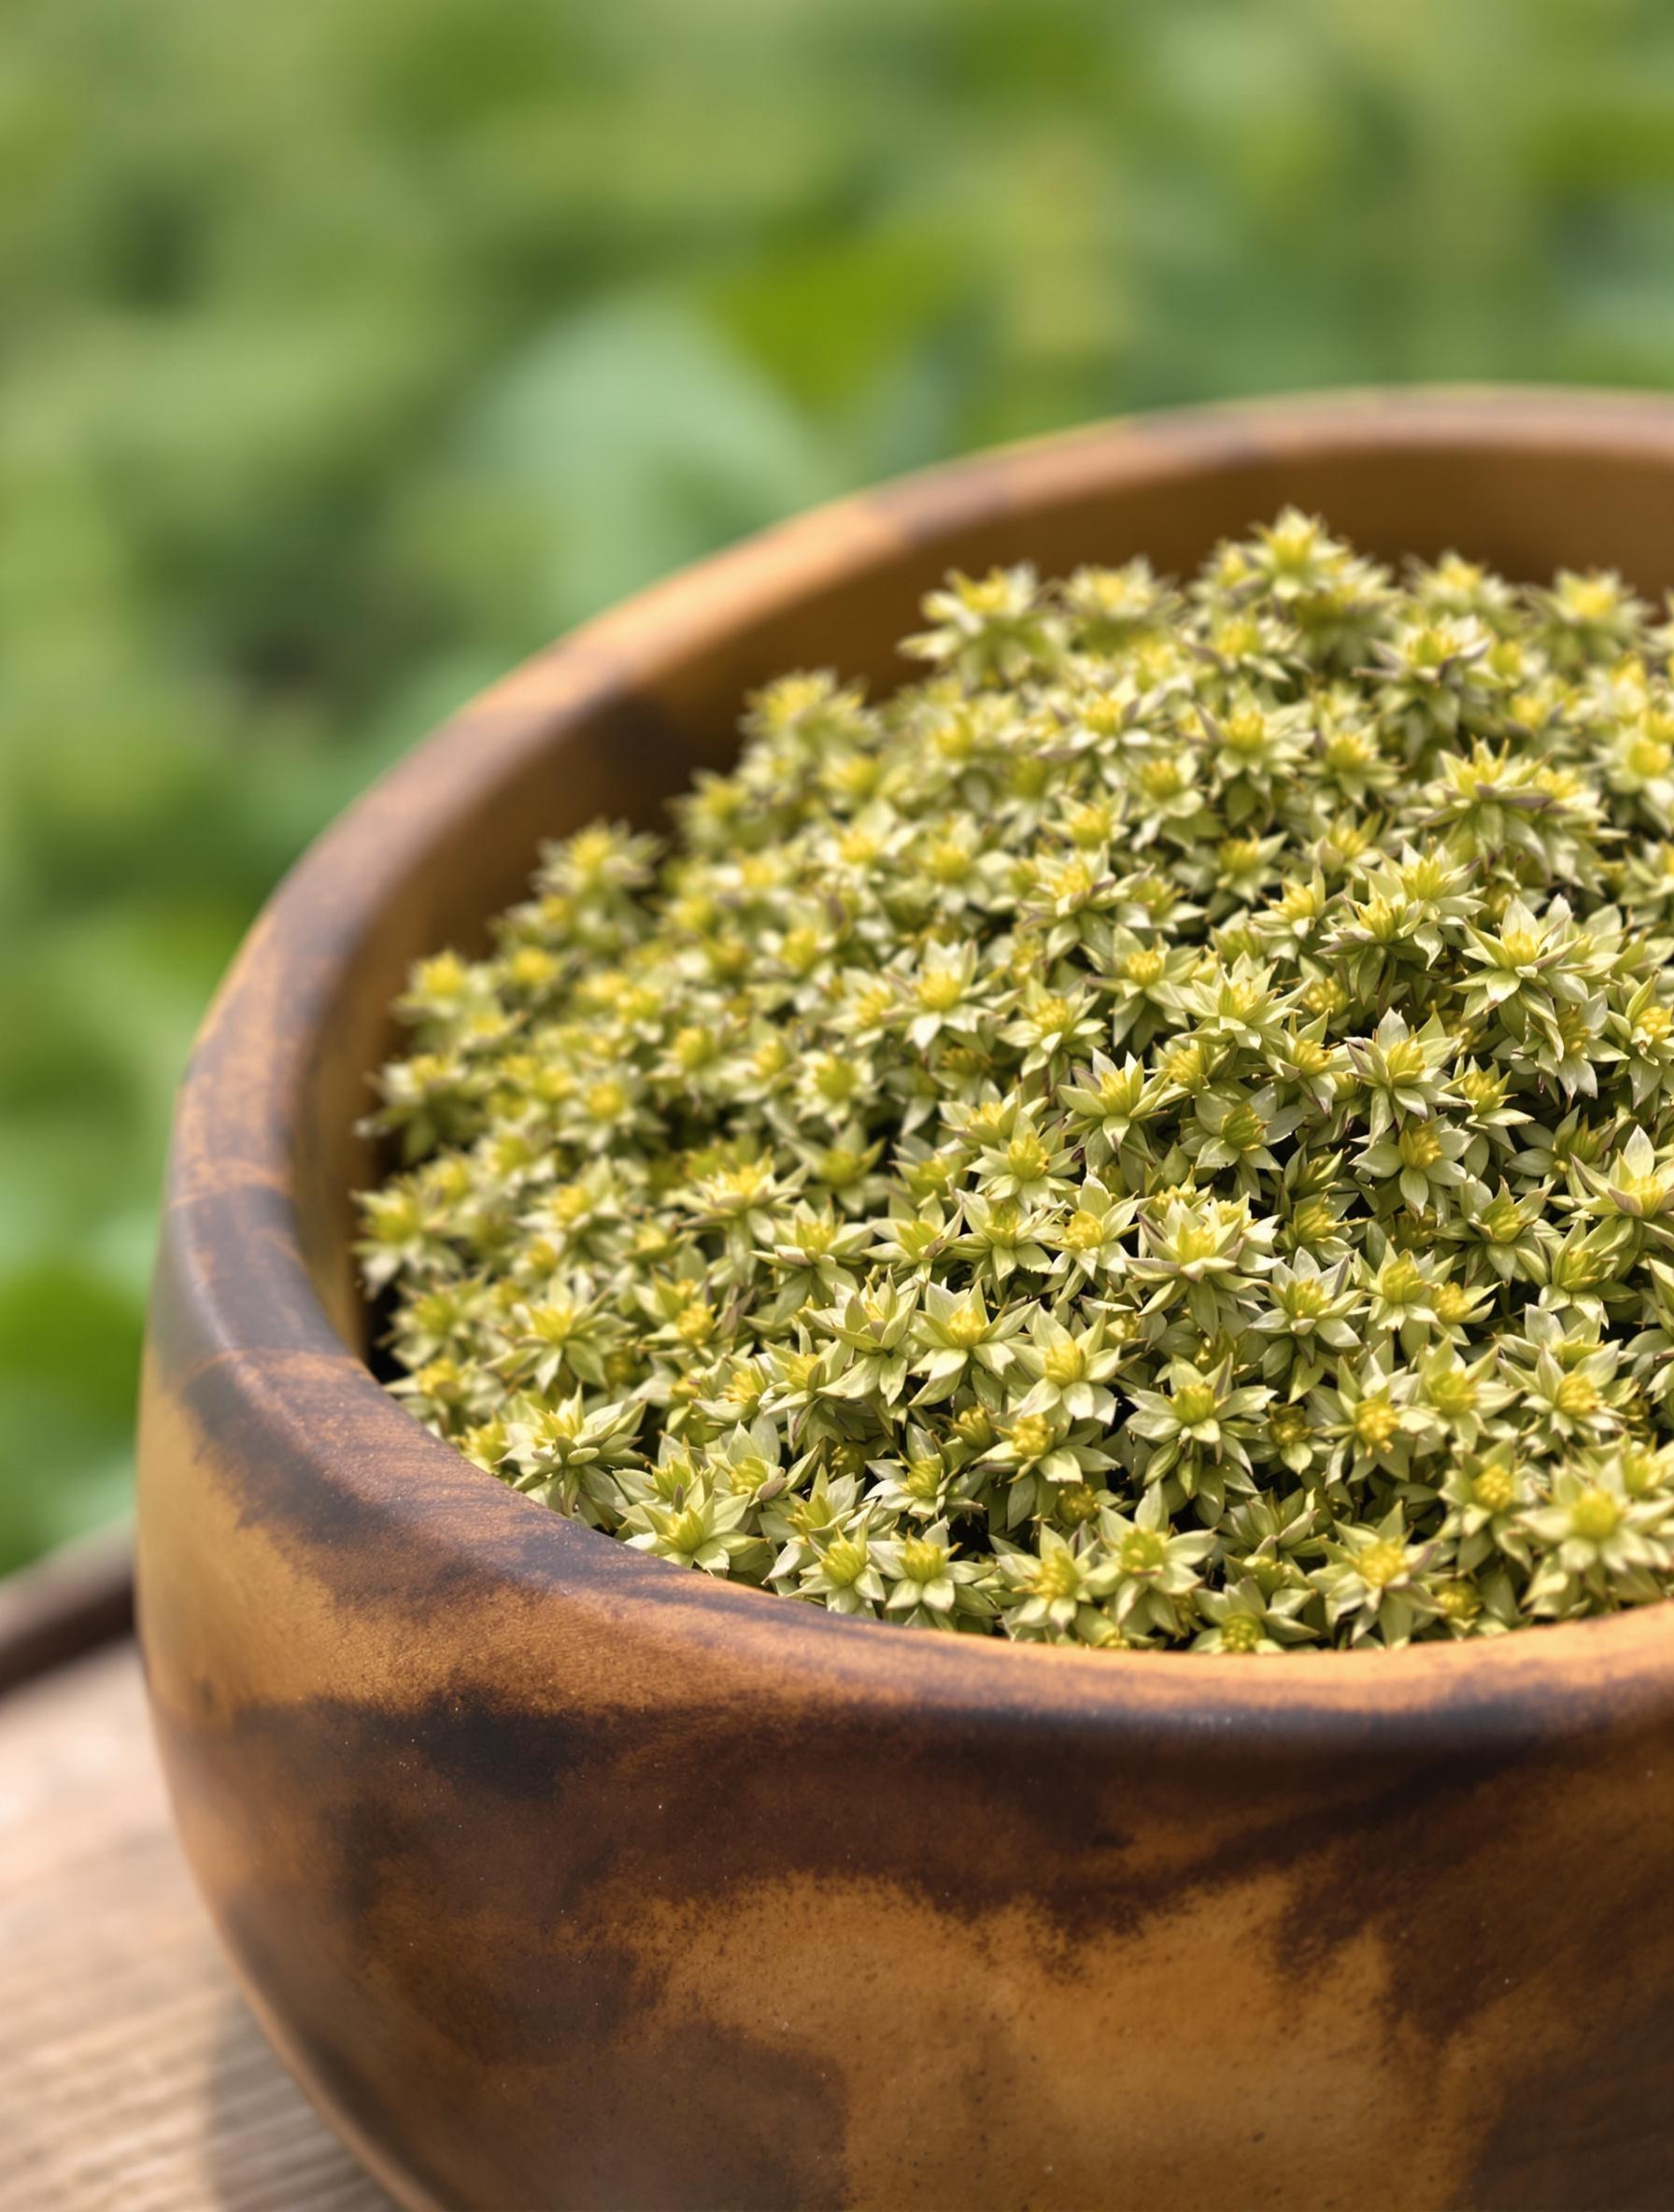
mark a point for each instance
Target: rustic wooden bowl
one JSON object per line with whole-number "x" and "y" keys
{"x": 564, "y": 1876}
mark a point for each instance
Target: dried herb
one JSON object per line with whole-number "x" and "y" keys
{"x": 1159, "y": 1133}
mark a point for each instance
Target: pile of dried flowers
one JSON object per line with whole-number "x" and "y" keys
{"x": 1160, "y": 1133}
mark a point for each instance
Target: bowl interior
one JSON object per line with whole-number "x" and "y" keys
{"x": 617, "y": 718}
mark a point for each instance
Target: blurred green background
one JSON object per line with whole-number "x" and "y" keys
{"x": 349, "y": 348}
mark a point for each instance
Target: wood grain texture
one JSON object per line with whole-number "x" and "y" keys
{"x": 132, "y": 2076}
{"x": 565, "y": 1877}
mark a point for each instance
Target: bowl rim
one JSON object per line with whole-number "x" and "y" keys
{"x": 241, "y": 1105}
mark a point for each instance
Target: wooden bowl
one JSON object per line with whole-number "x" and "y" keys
{"x": 564, "y": 1876}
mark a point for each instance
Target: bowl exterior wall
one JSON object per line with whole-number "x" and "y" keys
{"x": 563, "y": 1877}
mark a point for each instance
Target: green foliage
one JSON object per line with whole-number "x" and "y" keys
{"x": 784, "y": 1211}
{"x": 348, "y": 351}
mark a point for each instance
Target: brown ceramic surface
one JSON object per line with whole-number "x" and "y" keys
{"x": 564, "y": 1876}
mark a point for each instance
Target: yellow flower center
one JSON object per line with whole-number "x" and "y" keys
{"x": 1065, "y": 1363}
{"x": 1420, "y": 1145}
{"x": 694, "y": 1324}
{"x": 1313, "y": 1221}
{"x": 1382, "y": 1564}
{"x": 1184, "y": 1066}
{"x": 966, "y": 1328}
{"x": 1031, "y": 1435}
{"x": 924, "y": 1479}
{"x": 1162, "y": 779}
{"x": 1493, "y": 1489}
{"x": 1244, "y": 1130}
{"x": 1058, "y": 1575}
{"x": 1026, "y": 1157}
{"x": 1595, "y": 1516}
{"x": 1576, "y": 1395}
{"x": 844, "y": 1560}
{"x": 1376, "y": 1422}
{"x": 921, "y": 1561}
{"x": 940, "y": 991}
{"x": 1143, "y": 1552}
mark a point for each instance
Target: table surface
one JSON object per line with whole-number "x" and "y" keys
{"x": 131, "y": 2074}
